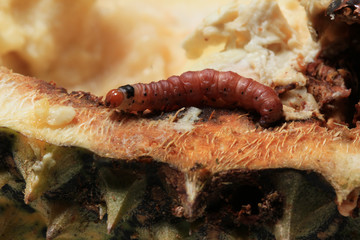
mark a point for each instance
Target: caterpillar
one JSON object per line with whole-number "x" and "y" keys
{"x": 199, "y": 88}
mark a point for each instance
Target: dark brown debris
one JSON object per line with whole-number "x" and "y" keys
{"x": 345, "y": 10}
{"x": 357, "y": 113}
{"x": 328, "y": 85}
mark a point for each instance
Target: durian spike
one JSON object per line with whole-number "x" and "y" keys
{"x": 61, "y": 217}
{"x": 27, "y": 158}
{"x": 194, "y": 185}
{"x": 37, "y": 162}
{"x": 187, "y": 187}
{"x": 5, "y": 177}
{"x": 122, "y": 192}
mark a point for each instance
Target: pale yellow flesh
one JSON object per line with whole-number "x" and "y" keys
{"x": 155, "y": 33}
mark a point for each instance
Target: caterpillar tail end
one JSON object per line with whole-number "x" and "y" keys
{"x": 266, "y": 121}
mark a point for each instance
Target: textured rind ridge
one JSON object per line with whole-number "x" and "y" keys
{"x": 217, "y": 143}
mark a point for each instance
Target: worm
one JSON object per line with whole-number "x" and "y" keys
{"x": 199, "y": 88}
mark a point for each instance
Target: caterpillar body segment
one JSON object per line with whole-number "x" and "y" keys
{"x": 199, "y": 88}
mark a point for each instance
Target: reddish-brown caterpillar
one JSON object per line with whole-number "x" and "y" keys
{"x": 199, "y": 88}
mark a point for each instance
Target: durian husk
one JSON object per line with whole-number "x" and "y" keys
{"x": 219, "y": 142}
{"x": 198, "y": 144}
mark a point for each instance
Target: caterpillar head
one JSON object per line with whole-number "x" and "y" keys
{"x": 120, "y": 97}
{"x": 114, "y": 98}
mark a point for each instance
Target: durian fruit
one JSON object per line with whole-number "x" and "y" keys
{"x": 106, "y": 174}
{"x": 72, "y": 168}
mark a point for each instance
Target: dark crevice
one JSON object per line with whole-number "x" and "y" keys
{"x": 335, "y": 71}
